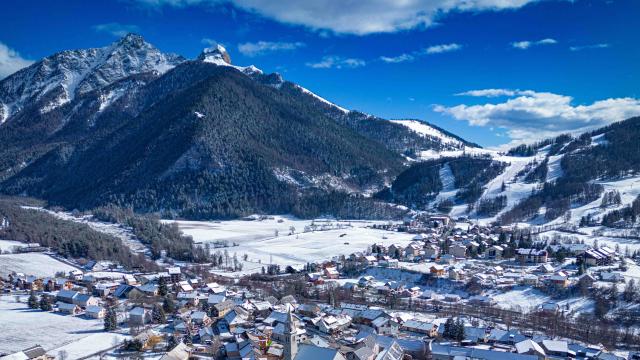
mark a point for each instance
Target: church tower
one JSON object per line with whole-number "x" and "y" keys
{"x": 290, "y": 339}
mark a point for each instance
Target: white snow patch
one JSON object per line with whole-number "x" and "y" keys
{"x": 308, "y": 92}
{"x": 427, "y": 131}
{"x": 23, "y": 327}
{"x": 37, "y": 264}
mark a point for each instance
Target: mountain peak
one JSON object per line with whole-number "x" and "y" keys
{"x": 215, "y": 54}
{"x": 133, "y": 40}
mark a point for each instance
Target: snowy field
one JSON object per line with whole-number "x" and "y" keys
{"x": 32, "y": 264}
{"x": 9, "y": 245}
{"x": 257, "y": 240}
{"x": 22, "y": 327}
{"x": 89, "y": 345}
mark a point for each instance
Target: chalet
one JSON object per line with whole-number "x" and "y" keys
{"x": 149, "y": 289}
{"x": 546, "y": 268}
{"x": 201, "y": 318}
{"x": 559, "y": 280}
{"x": 597, "y": 257}
{"x": 556, "y": 348}
{"x": 69, "y": 309}
{"x": 421, "y": 327}
{"x": 530, "y": 347}
{"x": 494, "y": 252}
{"x": 66, "y": 296}
{"x": 436, "y": 270}
{"x": 85, "y": 300}
{"x": 385, "y": 326}
{"x": 331, "y": 273}
{"x": 458, "y": 250}
{"x": 531, "y": 256}
{"x": 188, "y": 298}
{"x": 414, "y": 249}
{"x": 221, "y": 309}
{"x": 95, "y": 311}
{"x": 431, "y": 251}
{"x": 586, "y": 280}
{"x": 139, "y": 316}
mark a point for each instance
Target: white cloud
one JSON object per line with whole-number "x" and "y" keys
{"x": 357, "y": 17}
{"x": 337, "y": 62}
{"x": 495, "y": 92}
{"x": 11, "y": 61}
{"x": 529, "y": 115}
{"x": 435, "y": 49}
{"x": 397, "y": 59}
{"x": 116, "y": 29}
{"x": 523, "y": 45}
{"x": 589, "y": 47}
{"x": 262, "y": 47}
{"x": 438, "y": 49}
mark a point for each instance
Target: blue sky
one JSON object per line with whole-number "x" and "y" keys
{"x": 553, "y": 66}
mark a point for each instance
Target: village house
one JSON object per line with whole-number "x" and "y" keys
{"x": 139, "y": 316}
{"x": 69, "y": 309}
{"x": 531, "y": 256}
{"x": 458, "y": 250}
{"x": 421, "y": 327}
{"x": 494, "y": 252}
{"x": 331, "y": 273}
{"x": 85, "y": 300}
{"x": 597, "y": 257}
{"x": 431, "y": 251}
{"x": 437, "y": 270}
{"x": 66, "y": 296}
{"x": 95, "y": 311}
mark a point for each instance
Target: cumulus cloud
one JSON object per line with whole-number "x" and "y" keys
{"x": 356, "y": 17}
{"x": 434, "y": 49}
{"x": 438, "y": 49}
{"x": 116, "y": 29}
{"x": 11, "y": 61}
{"x": 529, "y": 115}
{"x": 523, "y": 45}
{"x": 336, "y": 62}
{"x": 263, "y": 47}
{"x": 588, "y": 47}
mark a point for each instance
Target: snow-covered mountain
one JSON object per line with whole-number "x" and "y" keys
{"x": 429, "y": 131}
{"x": 60, "y": 78}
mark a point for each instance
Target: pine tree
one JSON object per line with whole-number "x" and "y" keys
{"x": 33, "y": 301}
{"x": 45, "y": 303}
{"x": 111, "y": 319}
{"x": 157, "y": 314}
{"x": 168, "y": 305}
{"x": 449, "y": 326}
{"x": 162, "y": 286}
{"x": 459, "y": 330}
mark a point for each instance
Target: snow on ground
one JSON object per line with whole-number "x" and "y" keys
{"x": 521, "y": 298}
{"x": 257, "y": 240}
{"x": 37, "y": 264}
{"x": 554, "y": 168}
{"x": 23, "y": 327}
{"x": 90, "y": 345}
{"x": 633, "y": 244}
{"x": 425, "y": 130}
{"x": 9, "y": 245}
